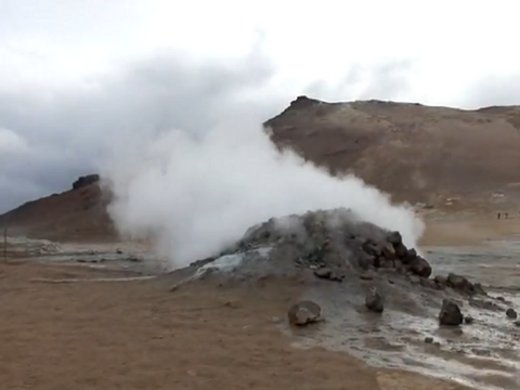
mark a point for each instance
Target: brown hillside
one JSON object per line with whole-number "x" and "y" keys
{"x": 441, "y": 156}
{"x": 75, "y": 215}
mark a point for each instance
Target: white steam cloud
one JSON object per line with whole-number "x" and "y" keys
{"x": 195, "y": 194}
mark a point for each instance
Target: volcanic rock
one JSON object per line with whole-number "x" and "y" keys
{"x": 450, "y": 313}
{"x": 304, "y": 313}
{"x": 511, "y": 313}
{"x": 410, "y": 256}
{"x": 395, "y": 238}
{"x": 327, "y": 273}
{"x": 374, "y": 301}
{"x": 460, "y": 283}
{"x": 85, "y": 181}
{"x": 401, "y": 251}
{"x": 420, "y": 267}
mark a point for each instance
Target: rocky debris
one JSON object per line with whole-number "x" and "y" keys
{"x": 459, "y": 283}
{"x": 450, "y": 313}
{"x": 420, "y": 267}
{"x": 517, "y": 323}
{"x": 304, "y": 313}
{"x": 468, "y": 320}
{"x": 511, "y": 313}
{"x": 428, "y": 340}
{"x": 440, "y": 280}
{"x": 428, "y": 283}
{"x": 327, "y": 273}
{"x": 374, "y": 301}
{"x": 85, "y": 181}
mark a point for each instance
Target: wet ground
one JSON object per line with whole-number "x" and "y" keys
{"x": 484, "y": 355}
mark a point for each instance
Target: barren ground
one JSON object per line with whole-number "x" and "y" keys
{"x": 139, "y": 335}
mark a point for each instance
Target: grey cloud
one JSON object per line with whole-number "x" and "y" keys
{"x": 68, "y": 132}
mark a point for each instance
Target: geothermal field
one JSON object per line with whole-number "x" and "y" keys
{"x": 328, "y": 249}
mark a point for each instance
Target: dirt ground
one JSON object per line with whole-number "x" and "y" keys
{"x": 470, "y": 230}
{"x": 140, "y": 335}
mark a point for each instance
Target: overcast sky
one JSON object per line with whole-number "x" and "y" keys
{"x": 78, "y": 77}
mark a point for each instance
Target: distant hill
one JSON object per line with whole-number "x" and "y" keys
{"x": 438, "y": 156}
{"x": 78, "y": 214}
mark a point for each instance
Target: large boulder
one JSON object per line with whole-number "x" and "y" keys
{"x": 304, "y": 313}
{"x": 450, "y": 314}
{"x": 420, "y": 267}
{"x": 511, "y": 313}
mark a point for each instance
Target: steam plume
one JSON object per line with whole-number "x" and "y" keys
{"x": 194, "y": 194}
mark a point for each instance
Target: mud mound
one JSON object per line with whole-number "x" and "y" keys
{"x": 331, "y": 243}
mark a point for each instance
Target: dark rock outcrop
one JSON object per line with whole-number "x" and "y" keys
{"x": 85, "y": 181}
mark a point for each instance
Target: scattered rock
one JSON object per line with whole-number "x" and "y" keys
{"x": 441, "y": 280}
{"x": 468, "y": 320}
{"x": 511, "y": 313}
{"x": 323, "y": 273}
{"x": 374, "y": 301}
{"x": 450, "y": 313}
{"x": 517, "y": 323}
{"x": 420, "y": 267}
{"x": 304, "y": 313}
{"x": 119, "y": 251}
{"x": 461, "y": 284}
{"x": 428, "y": 340}
{"x": 327, "y": 273}
{"x": 366, "y": 277}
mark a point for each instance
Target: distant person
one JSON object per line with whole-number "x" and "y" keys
{"x": 498, "y": 216}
